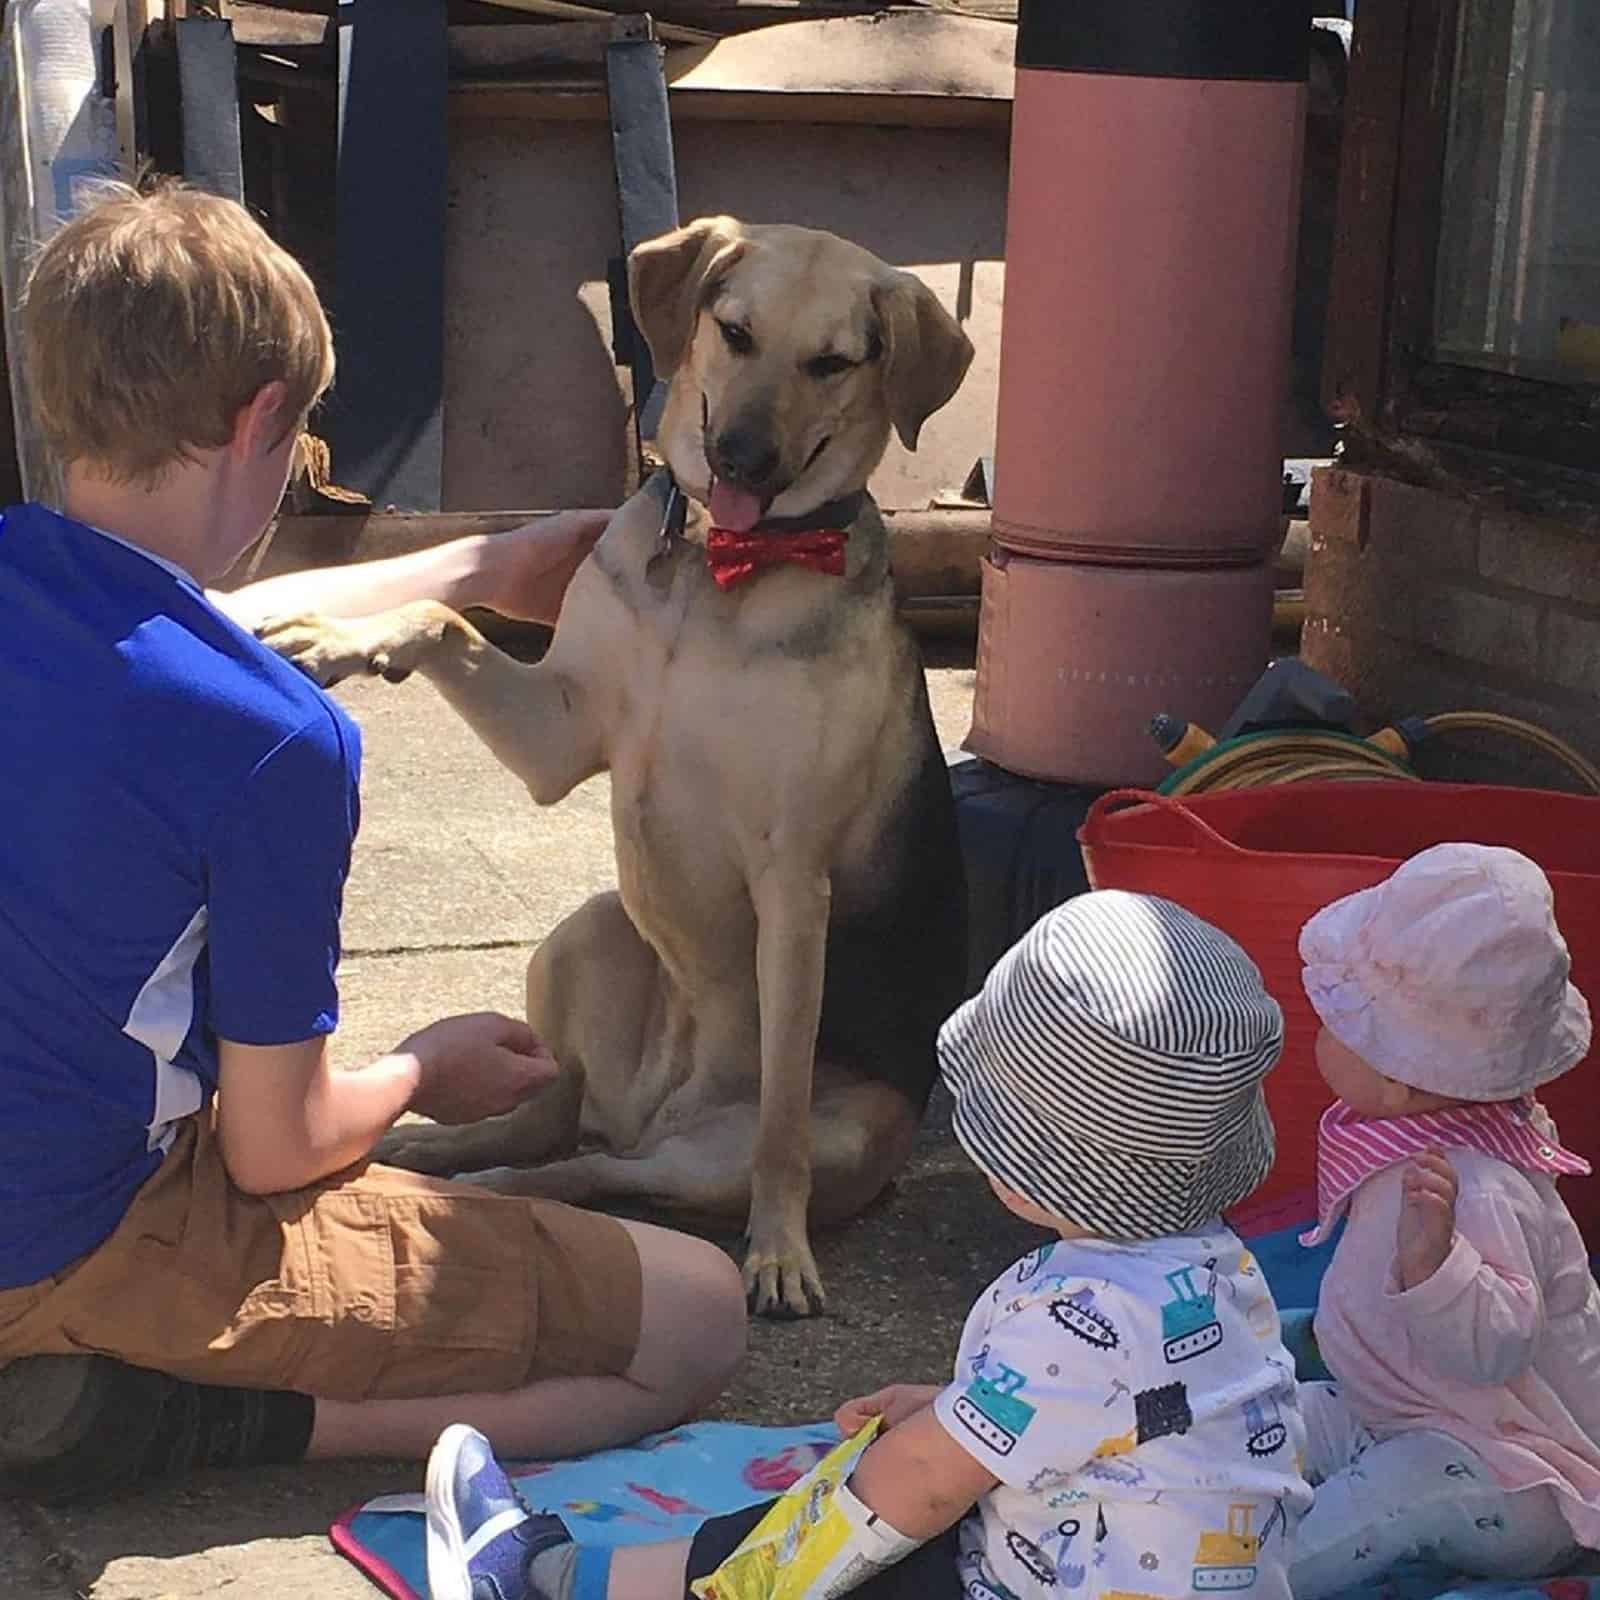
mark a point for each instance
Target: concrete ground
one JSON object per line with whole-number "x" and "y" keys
{"x": 456, "y": 876}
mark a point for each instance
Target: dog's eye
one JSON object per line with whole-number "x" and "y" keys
{"x": 736, "y": 338}
{"x": 828, "y": 366}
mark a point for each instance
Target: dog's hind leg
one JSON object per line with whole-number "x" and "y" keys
{"x": 862, "y": 1134}
{"x": 704, "y": 1171}
{"x": 590, "y": 987}
{"x": 545, "y": 1126}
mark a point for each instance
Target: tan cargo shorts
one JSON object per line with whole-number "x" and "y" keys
{"x": 373, "y": 1284}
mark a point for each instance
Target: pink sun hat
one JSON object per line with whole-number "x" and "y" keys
{"x": 1451, "y": 975}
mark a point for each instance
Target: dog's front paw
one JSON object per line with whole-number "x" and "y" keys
{"x": 328, "y": 649}
{"x": 782, "y": 1280}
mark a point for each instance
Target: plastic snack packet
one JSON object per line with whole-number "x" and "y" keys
{"x": 816, "y": 1541}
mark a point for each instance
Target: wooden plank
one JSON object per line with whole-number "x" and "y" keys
{"x": 276, "y": 25}
{"x": 1494, "y": 411}
{"x": 386, "y": 415}
{"x": 129, "y": 29}
{"x": 1359, "y": 297}
{"x": 528, "y": 48}
{"x": 916, "y": 52}
{"x": 208, "y": 89}
{"x": 544, "y": 102}
{"x": 739, "y": 16}
{"x": 933, "y": 552}
{"x": 716, "y": 17}
{"x": 1431, "y": 49}
{"x": 574, "y": 11}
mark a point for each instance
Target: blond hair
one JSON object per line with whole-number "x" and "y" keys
{"x": 151, "y": 319}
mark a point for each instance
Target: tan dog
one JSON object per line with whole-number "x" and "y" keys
{"x": 746, "y": 1028}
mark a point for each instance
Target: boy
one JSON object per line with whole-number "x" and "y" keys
{"x": 1122, "y": 1417}
{"x": 183, "y": 1184}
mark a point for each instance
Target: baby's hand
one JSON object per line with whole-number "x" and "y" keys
{"x": 894, "y": 1405}
{"x": 1427, "y": 1224}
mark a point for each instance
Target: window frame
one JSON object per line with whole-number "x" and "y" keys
{"x": 1534, "y": 440}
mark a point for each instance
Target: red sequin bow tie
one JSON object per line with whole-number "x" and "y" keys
{"x": 734, "y": 557}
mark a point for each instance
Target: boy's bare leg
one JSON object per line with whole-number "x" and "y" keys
{"x": 691, "y": 1338}
{"x": 521, "y": 573}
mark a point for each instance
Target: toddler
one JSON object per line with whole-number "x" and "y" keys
{"x": 1458, "y": 1316}
{"x": 1122, "y": 1416}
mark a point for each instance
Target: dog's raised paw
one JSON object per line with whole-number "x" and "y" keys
{"x": 328, "y": 650}
{"x": 784, "y": 1285}
{"x": 323, "y": 648}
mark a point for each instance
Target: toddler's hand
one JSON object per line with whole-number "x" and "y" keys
{"x": 1427, "y": 1224}
{"x": 894, "y": 1404}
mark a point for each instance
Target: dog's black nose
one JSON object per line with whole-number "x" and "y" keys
{"x": 745, "y": 457}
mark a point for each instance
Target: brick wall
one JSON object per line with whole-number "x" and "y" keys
{"x": 1417, "y": 602}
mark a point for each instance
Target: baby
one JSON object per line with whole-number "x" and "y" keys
{"x": 1122, "y": 1418}
{"x": 1458, "y": 1315}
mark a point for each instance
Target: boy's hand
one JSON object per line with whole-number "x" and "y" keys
{"x": 475, "y": 1066}
{"x": 528, "y": 568}
{"x": 1427, "y": 1224}
{"x": 894, "y": 1404}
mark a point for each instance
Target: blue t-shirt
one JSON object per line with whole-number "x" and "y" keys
{"x": 177, "y": 806}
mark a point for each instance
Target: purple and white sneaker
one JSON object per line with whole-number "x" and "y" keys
{"x": 481, "y": 1532}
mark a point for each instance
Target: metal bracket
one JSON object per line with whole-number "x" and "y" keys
{"x": 208, "y": 92}
{"x": 386, "y": 417}
{"x": 647, "y": 190}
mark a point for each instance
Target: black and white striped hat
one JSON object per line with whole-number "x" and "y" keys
{"x": 1110, "y": 1069}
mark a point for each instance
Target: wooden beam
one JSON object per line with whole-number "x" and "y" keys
{"x": 545, "y": 102}
{"x": 933, "y": 552}
{"x": 129, "y": 28}
{"x": 277, "y": 25}
{"x": 1353, "y": 367}
{"x": 529, "y": 48}
{"x": 572, "y": 11}
{"x": 1419, "y": 187}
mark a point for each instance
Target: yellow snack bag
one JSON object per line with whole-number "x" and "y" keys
{"x": 816, "y": 1541}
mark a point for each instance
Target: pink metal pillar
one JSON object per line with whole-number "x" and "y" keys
{"x": 1155, "y": 168}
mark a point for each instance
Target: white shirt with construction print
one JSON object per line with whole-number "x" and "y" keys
{"x": 1138, "y": 1407}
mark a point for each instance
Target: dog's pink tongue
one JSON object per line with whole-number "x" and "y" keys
{"x": 737, "y": 510}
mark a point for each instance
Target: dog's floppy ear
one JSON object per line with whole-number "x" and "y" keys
{"x": 667, "y": 282}
{"x": 925, "y": 353}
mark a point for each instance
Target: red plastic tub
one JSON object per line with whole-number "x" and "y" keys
{"x": 1259, "y": 862}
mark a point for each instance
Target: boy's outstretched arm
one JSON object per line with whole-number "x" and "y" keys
{"x": 286, "y": 1117}
{"x": 521, "y": 573}
{"x": 918, "y": 1479}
